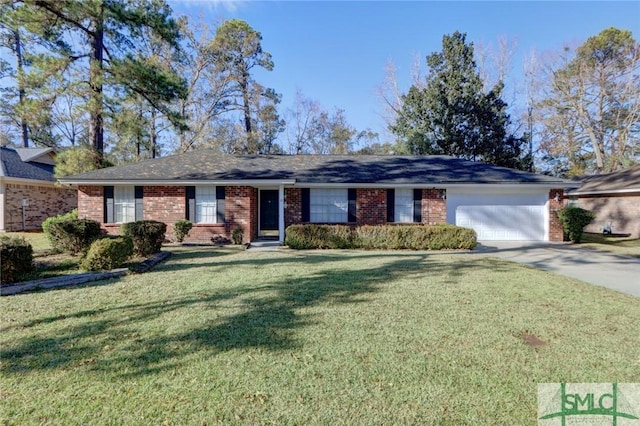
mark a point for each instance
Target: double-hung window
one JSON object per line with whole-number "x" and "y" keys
{"x": 403, "y": 205}
{"x": 329, "y": 205}
{"x": 124, "y": 203}
{"x": 206, "y": 204}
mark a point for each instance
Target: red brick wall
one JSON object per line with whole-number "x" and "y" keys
{"x": 434, "y": 206}
{"x": 167, "y": 204}
{"x": 164, "y": 203}
{"x": 556, "y": 202}
{"x": 621, "y": 210}
{"x": 91, "y": 203}
{"x": 43, "y": 201}
{"x": 293, "y": 201}
{"x": 371, "y": 206}
{"x": 241, "y": 210}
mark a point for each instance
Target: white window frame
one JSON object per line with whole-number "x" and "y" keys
{"x": 403, "y": 205}
{"x": 329, "y": 205}
{"x": 206, "y": 205}
{"x": 124, "y": 204}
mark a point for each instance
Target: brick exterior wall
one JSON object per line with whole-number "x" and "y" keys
{"x": 241, "y": 210}
{"x": 167, "y": 204}
{"x": 371, "y": 206}
{"x": 621, "y": 210}
{"x": 293, "y": 203}
{"x": 434, "y": 206}
{"x": 44, "y": 201}
{"x": 91, "y": 203}
{"x": 556, "y": 202}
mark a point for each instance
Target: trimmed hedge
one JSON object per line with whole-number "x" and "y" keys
{"x": 574, "y": 220}
{"x": 53, "y": 238}
{"x": 303, "y": 237}
{"x": 74, "y": 235}
{"x": 108, "y": 253}
{"x": 381, "y": 237}
{"x": 16, "y": 259}
{"x": 147, "y": 236}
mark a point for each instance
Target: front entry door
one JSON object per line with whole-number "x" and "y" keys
{"x": 269, "y": 219}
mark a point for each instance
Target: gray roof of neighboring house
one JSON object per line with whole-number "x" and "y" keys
{"x": 627, "y": 180}
{"x": 21, "y": 163}
{"x": 210, "y": 165}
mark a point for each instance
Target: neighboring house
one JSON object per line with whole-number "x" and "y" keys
{"x": 265, "y": 194}
{"x": 28, "y": 190}
{"x": 614, "y": 198}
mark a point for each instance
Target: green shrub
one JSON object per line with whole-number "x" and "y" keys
{"x": 75, "y": 235}
{"x": 319, "y": 237}
{"x": 53, "y": 238}
{"x": 237, "y": 236}
{"x": 574, "y": 220}
{"x": 147, "y": 236}
{"x": 16, "y": 259}
{"x": 107, "y": 253}
{"x": 181, "y": 229}
{"x": 381, "y": 237}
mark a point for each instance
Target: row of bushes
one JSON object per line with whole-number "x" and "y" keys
{"x": 68, "y": 234}
{"x": 382, "y": 237}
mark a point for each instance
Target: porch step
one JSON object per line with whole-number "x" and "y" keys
{"x": 265, "y": 244}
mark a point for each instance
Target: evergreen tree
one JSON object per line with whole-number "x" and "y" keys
{"x": 451, "y": 115}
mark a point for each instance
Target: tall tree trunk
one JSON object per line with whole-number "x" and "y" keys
{"x": 251, "y": 147}
{"x": 21, "y": 92}
{"x": 96, "y": 122}
{"x": 154, "y": 134}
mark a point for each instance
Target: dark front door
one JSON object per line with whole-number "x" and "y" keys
{"x": 269, "y": 212}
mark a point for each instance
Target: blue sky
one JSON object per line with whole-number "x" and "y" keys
{"x": 336, "y": 52}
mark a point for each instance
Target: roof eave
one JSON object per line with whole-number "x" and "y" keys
{"x": 175, "y": 182}
{"x": 606, "y": 191}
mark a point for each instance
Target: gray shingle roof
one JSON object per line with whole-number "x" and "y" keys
{"x": 211, "y": 165}
{"x": 12, "y": 165}
{"x": 622, "y": 180}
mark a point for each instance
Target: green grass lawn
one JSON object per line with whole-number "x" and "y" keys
{"x": 628, "y": 246}
{"x": 243, "y": 337}
{"x": 38, "y": 240}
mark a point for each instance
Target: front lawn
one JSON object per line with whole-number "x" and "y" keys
{"x": 38, "y": 240}
{"x": 627, "y": 246}
{"x": 217, "y": 335}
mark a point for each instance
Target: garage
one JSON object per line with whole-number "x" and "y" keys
{"x": 500, "y": 215}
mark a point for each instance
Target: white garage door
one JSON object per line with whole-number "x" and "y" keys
{"x": 500, "y": 216}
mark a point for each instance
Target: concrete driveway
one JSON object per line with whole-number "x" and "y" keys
{"x": 621, "y": 273}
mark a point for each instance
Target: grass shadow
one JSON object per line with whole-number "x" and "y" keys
{"x": 266, "y": 315}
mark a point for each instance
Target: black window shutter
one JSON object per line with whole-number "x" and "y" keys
{"x": 190, "y": 195}
{"x": 306, "y": 205}
{"x": 139, "y": 191}
{"x": 108, "y": 204}
{"x": 220, "y": 204}
{"x": 417, "y": 205}
{"x": 391, "y": 208}
{"x": 352, "y": 205}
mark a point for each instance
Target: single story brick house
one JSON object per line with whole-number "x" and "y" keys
{"x": 614, "y": 198}
{"x": 28, "y": 190}
{"x": 265, "y": 194}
